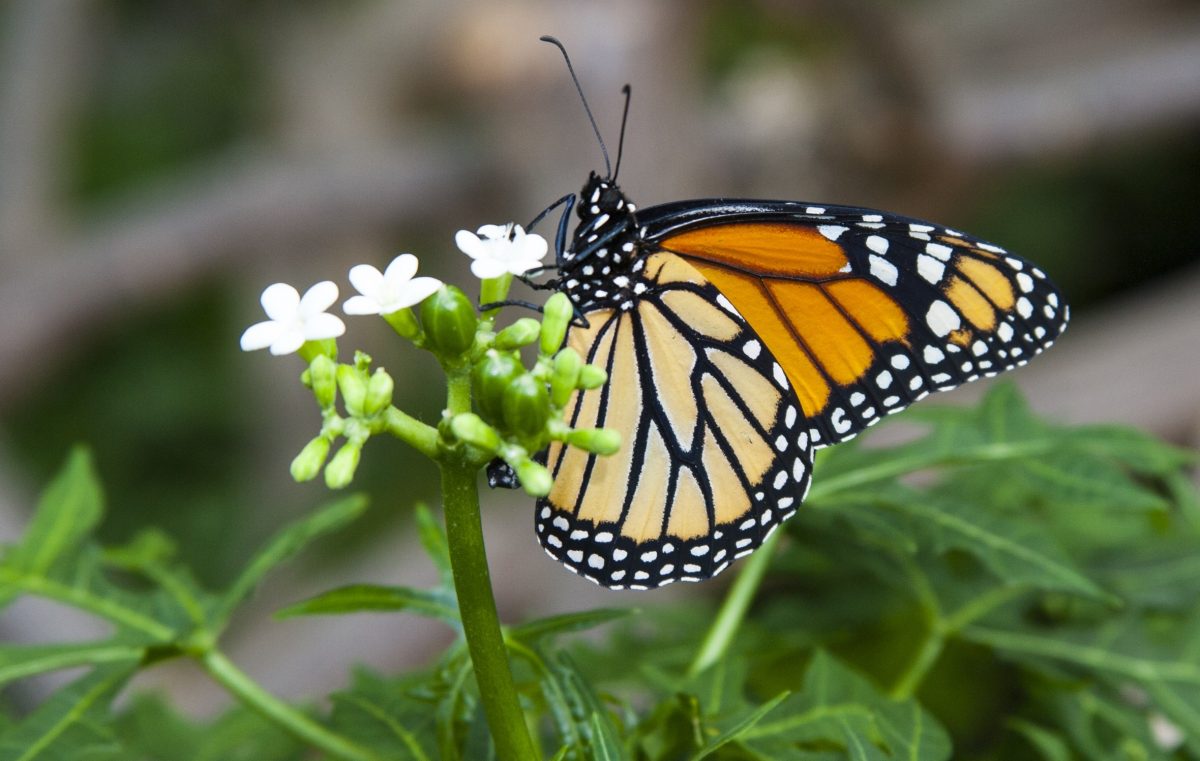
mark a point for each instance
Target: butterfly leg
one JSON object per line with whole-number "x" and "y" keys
{"x": 560, "y": 238}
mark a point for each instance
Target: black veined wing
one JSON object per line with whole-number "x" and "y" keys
{"x": 741, "y": 335}
{"x": 866, "y": 311}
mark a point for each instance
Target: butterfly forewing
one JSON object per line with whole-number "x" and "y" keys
{"x": 715, "y": 451}
{"x": 865, "y": 311}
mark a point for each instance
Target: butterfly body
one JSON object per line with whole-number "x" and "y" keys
{"x": 741, "y": 335}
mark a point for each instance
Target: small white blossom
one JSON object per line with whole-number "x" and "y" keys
{"x": 391, "y": 290}
{"x": 1167, "y": 735}
{"x": 294, "y": 320}
{"x": 501, "y": 249}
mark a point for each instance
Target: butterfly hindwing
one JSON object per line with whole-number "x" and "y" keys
{"x": 715, "y": 451}
{"x": 866, "y": 311}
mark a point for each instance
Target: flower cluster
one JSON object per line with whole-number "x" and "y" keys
{"x": 516, "y": 411}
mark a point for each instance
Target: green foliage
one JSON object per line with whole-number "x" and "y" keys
{"x": 997, "y": 587}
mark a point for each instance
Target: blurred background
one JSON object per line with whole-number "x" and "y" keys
{"x": 161, "y": 161}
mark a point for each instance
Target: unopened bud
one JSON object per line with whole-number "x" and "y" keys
{"x": 521, "y": 333}
{"x": 353, "y": 384}
{"x": 308, "y": 463}
{"x": 567, "y": 364}
{"x": 490, "y": 378}
{"x": 556, "y": 318}
{"x": 526, "y": 405}
{"x": 379, "y": 392}
{"x": 601, "y": 441}
{"x": 322, "y": 378}
{"x": 449, "y": 321}
{"x": 470, "y": 428}
{"x": 340, "y": 471}
{"x": 534, "y": 478}
{"x": 591, "y": 376}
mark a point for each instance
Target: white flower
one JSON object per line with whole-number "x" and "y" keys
{"x": 500, "y": 249}
{"x": 294, "y": 320}
{"x": 391, "y": 290}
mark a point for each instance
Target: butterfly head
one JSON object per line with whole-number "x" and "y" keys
{"x": 605, "y": 253}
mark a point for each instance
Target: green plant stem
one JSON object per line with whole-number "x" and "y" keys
{"x": 418, "y": 435}
{"x": 252, "y": 694}
{"x": 733, "y": 610}
{"x": 473, "y": 586}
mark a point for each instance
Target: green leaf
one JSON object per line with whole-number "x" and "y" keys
{"x": 1049, "y": 745}
{"x": 741, "y": 726}
{"x": 1088, "y": 481}
{"x": 840, "y": 707}
{"x": 1018, "y": 552}
{"x": 385, "y": 716}
{"x": 67, "y": 512}
{"x": 365, "y": 598}
{"x": 566, "y": 623}
{"x": 1136, "y": 450}
{"x": 433, "y": 539}
{"x": 71, "y": 724}
{"x": 152, "y": 731}
{"x": 285, "y": 545}
{"x": 20, "y": 661}
{"x": 605, "y": 744}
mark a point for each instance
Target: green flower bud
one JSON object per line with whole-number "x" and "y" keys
{"x": 470, "y": 428}
{"x": 526, "y": 405}
{"x": 534, "y": 478}
{"x": 340, "y": 471}
{"x": 556, "y": 318}
{"x": 567, "y": 364}
{"x": 353, "y": 383}
{"x": 490, "y": 377}
{"x": 308, "y": 463}
{"x": 602, "y": 441}
{"x": 379, "y": 392}
{"x": 322, "y": 378}
{"x": 591, "y": 376}
{"x": 448, "y": 317}
{"x": 521, "y": 333}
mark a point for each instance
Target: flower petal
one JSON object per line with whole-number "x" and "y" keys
{"x": 534, "y": 246}
{"x": 260, "y": 335}
{"x": 289, "y": 340}
{"x": 323, "y": 325}
{"x": 362, "y": 305}
{"x": 366, "y": 280}
{"x": 318, "y": 298}
{"x": 401, "y": 270}
{"x": 494, "y": 232}
{"x": 280, "y": 301}
{"x": 469, "y": 243}
{"x": 414, "y": 292}
{"x": 487, "y": 268}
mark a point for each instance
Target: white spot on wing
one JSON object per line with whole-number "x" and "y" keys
{"x": 882, "y": 269}
{"x": 942, "y": 318}
{"x": 833, "y": 232}
{"x": 877, "y": 243}
{"x": 930, "y": 269}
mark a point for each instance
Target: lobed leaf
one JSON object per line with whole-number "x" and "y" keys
{"x": 374, "y": 598}
{"x": 285, "y": 545}
{"x": 71, "y": 724}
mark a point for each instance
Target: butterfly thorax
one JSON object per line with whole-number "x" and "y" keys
{"x": 602, "y": 266}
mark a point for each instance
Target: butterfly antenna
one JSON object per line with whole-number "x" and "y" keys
{"x": 575, "y": 79}
{"x": 621, "y": 140}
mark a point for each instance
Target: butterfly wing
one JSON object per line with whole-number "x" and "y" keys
{"x": 715, "y": 453}
{"x": 866, "y": 311}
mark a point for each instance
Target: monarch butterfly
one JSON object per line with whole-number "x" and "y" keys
{"x": 739, "y": 336}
